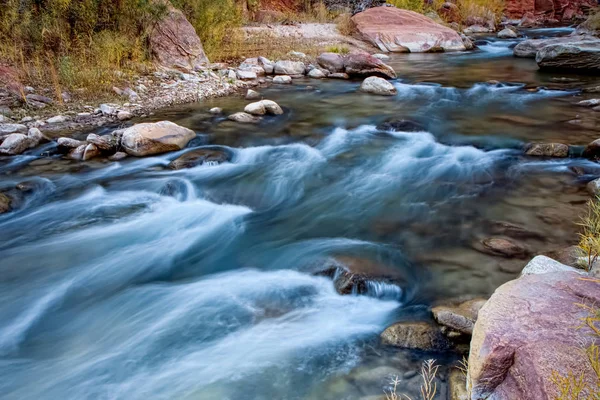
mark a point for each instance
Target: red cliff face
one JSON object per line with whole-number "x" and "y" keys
{"x": 548, "y": 10}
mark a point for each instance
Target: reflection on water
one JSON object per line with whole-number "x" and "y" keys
{"x": 130, "y": 280}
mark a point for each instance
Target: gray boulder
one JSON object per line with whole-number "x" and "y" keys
{"x": 332, "y": 62}
{"x": 379, "y": 86}
{"x": 155, "y": 138}
{"x": 573, "y": 56}
{"x": 289, "y": 68}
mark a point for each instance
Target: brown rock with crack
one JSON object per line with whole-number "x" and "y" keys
{"x": 415, "y": 335}
{"x": 459, "y": 317}
{"x": 501, "y": 247}
{"x": 395, "y": 30}
{"x": 364, "y": 64}
{"x": 527, "y": 330}
{"x": 174, "y": 42}
{"x": 571, "y": 56}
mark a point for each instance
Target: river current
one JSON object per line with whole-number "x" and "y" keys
{"x": 129, "y": 280}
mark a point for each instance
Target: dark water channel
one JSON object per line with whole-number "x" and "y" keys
{"x": 133, "y": 281}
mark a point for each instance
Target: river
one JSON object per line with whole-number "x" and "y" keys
{"x": 129, "y": 280}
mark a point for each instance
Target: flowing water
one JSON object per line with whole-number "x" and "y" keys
{"x": 129, "y": 280}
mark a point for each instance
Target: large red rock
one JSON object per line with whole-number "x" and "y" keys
{"x": 528, "y": 330}
{"x": 395, "y": 30}
{"x": 546, "y": 10}
{"x": 175, "y": 43}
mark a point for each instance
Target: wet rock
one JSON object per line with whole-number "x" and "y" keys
{"x": 401, "y": 125}
{"x": 529, "y": 48}
{"x": 392, "y": 30}
{"x": 557, "y": 150}
{"x": 155, "y": 138}
{"x": 256, "y": 108}
{"x": 467, "y": 42}
{"x": 174, "y": 42}
{"x": 215, "y": 110}
{"x": 332, "y": 62}
{"x": 107, "y": 143}
{"x": 317, "y": 73}
{"x": 244, "y": 118}
{"x": 16, "y": 143}
{"x": 206, "y": 156}
{"x": 68, "y": 144}
{"x": 252, "y": 95}
{"x": 5, "y": 203}
{"x": 272, "y": 108}
{"x": 592, "y": 150}
{"x": 90, "y": 151}
{"x": 378, "y": 86}
{"x": 283, "y": 79}
{"x": 459, "y": 317}
{"x": 507, "y": 34}
{"x": 573, "y": 56}
{"x": 527, "y": 331}
{"x": 415, "y": 335}
{"x": 77, "y": 153}
{"x": 339, "y": 75}
{"x": 364, "y": 64}
{"x": 501, "y": 247}
{"x": 544, "y": 265}
{"x": 571, "y": 256}
{"x": 12, "y": 128}
{"x": 287, "y": 67}
{"x": 118, "y": 156}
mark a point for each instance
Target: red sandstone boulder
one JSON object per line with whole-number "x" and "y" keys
{"x": 395, "y": 30}
{"x": 364, "y": 64}
{"x": 528, "y": 330}
{"x": 175, "y": 43}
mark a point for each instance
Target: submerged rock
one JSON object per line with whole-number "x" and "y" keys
{"x": 415, "y": 335}
{"x": 395, "y": 30}
{"x": 339, "y": 75}
{"x": 501, "y": 247}
{"x": 5, "y": 203}
{"x": 204, "y": 156}
{"x": 379, "y": 86}
{"x": 401, "y": 125}
{"x": 527, "y": 331}
{"x": 557, "y": 150}
{"x": 155, "y": 138}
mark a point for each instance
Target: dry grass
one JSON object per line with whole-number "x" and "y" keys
{"x": 488, "y": 10}
{"x": 589, "y": 238}
{"x": 429, "y": 371}
{"x": 345, "y": 25}
{"x": 576, "y": 386}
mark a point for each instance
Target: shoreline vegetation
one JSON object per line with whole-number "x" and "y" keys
{"x": 86, "y": 48}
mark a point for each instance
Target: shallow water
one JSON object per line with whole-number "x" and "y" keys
{"x": 129, "y": 280}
